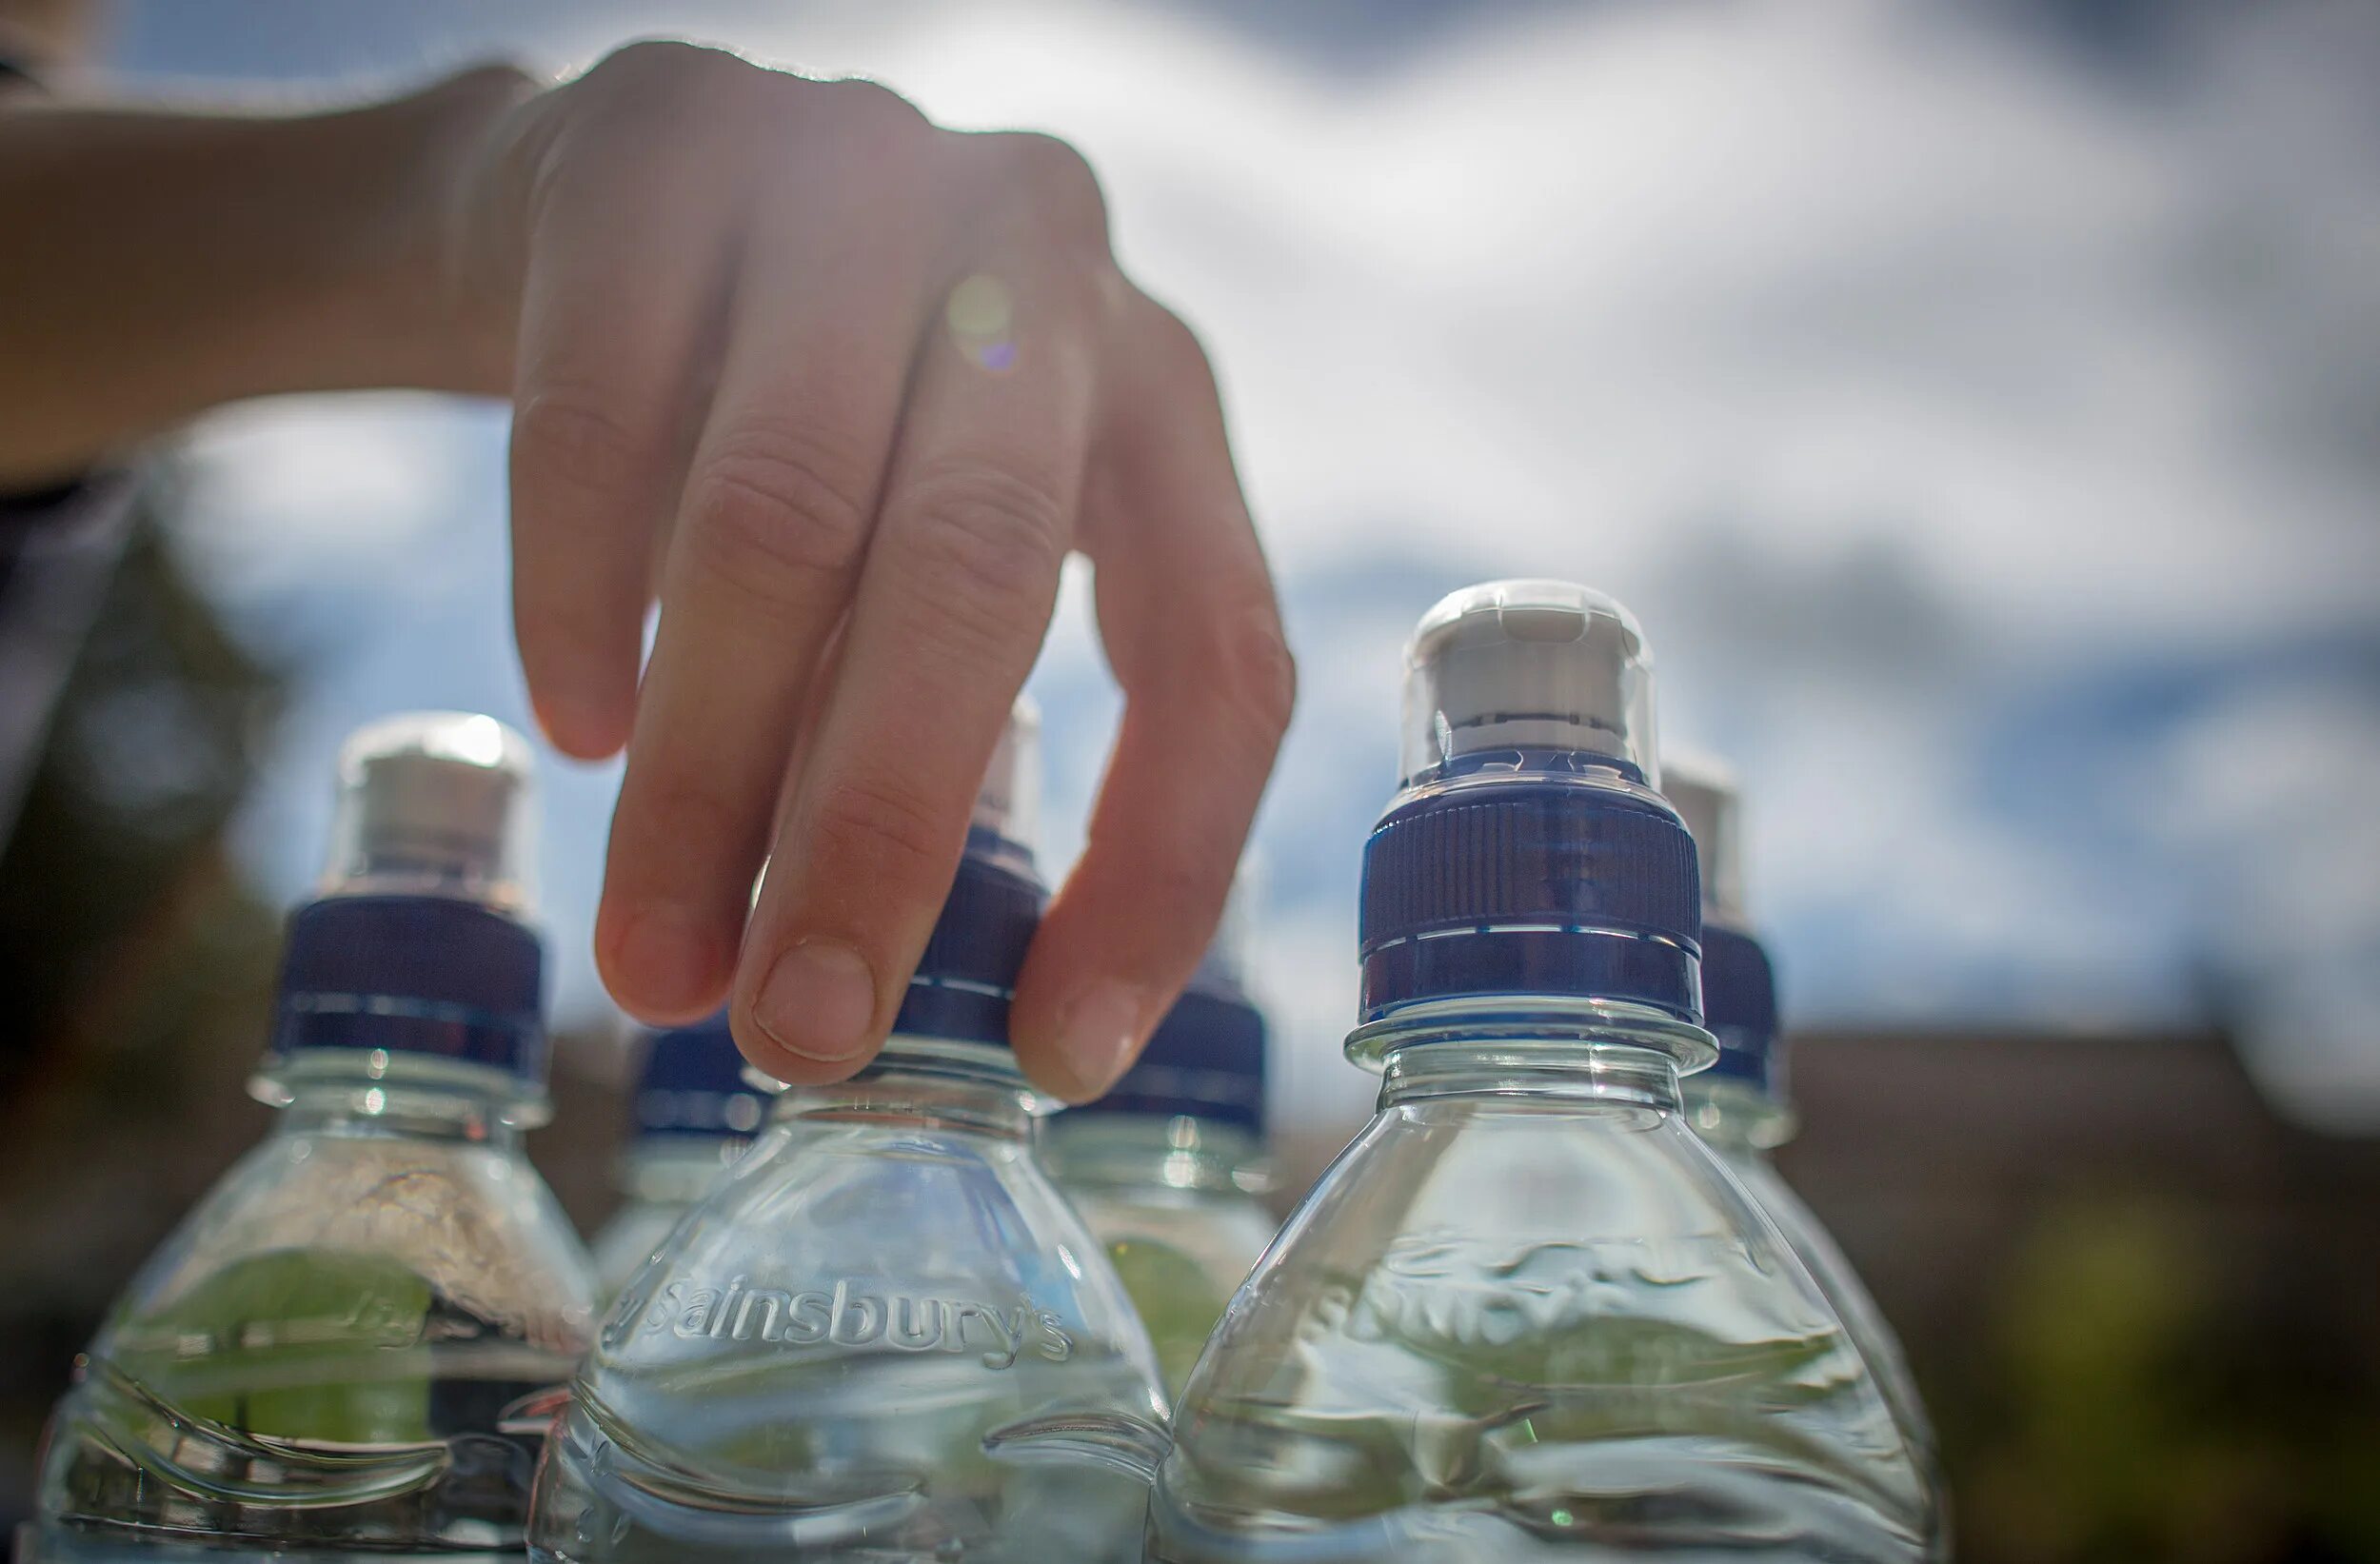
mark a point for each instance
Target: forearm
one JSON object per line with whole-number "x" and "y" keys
{"x": 156, "y": 265}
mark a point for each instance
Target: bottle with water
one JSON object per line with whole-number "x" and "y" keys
{"x": 693, "y": 1114}
{"x": 1527, "y": 1315}
{"x": 815, "y": 1364}
{"x": 1741, "y": 1108}
{"x": 349, "y": 1349}
{"x": 1168, "y": 1168}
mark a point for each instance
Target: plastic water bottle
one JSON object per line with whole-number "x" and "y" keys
{"x": 812, "y": 1365}
{"x": 1741, "y": 1108}
{"x": 692, "y": 1115}
{"x": 1527, "y": 1315}
{"x": 1168, "y": 1167}
{"x": 349, "y": 1349}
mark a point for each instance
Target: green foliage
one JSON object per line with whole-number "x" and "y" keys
{"x": 319, "y": 1346}
{"x": 1176, "y": 1300}
{"x": 2137, "y": 1416}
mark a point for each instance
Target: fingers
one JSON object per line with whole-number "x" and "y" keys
{"x": 947, "y": 619}
{"x": 777, "y": 509}
{"x": 1187, "y": 613}
{"x": 853, "y": 374}
{"x": 621, "y": 292}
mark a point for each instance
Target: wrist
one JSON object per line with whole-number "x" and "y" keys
{"x": 188, "y": 260}
{"x": 431, "y": 307}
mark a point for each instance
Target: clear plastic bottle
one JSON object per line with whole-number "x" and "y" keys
{"x": 351, "y": 1347}
{"x": 1741, "y": 1108}
{"x": 1169, "y": 1167}
{"x": 1527, "y": 1315}
{"x": 812, "y": 1365}
{"x": 693, "y": 1114}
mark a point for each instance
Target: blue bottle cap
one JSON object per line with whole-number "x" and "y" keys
{"x": 1739, "y": 1008}
{"x": 966, "y": 980}
{"x": 1529, "y": 853}
{"x": 693, "y": 1083}
{"x": 418, "y": 944}
{"x": 1205, "y": 1060}
{"x": 413, "y": 975}
{"x": 1738, "y": 982}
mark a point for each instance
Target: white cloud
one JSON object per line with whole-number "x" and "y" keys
{"x": 1575, "y": 274}
{"x": 1897, "y": 370}
{"x": 292, "y": 494}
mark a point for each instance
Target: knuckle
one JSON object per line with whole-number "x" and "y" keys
{"x": 630, "y": 80}
{"x": 650, "y": 63}
{"x": 1174, "y": 347}
{"x": 776, "y": 513}
{"x": 660, "y": 100}
{"x": 1256, "y": 674}
{"x": 869, "y": 117}
{"x": 988, "y": 537}
{"x": 1058, "y": 181}
{"x": 881, "y": 823}
{"x": 572, "y": 437}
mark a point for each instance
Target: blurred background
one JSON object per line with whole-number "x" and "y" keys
{"x": 1979, "y": 404}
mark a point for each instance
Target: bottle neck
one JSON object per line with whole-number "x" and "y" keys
{"x": 381, "y": 1110}
{"x": 678, "y": 1169}
{"x": 1735, "y": 1118}
{"x": 935, "y": 1083}
{"x": 1532, "y": 1052}
{"x": 1149, "y": 1151}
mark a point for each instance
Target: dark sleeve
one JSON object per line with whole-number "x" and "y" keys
{"x": 58, "y": 546}
{"x": 57, "y": 551}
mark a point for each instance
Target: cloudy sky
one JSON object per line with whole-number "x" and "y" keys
{"x": 1979, "y": 404}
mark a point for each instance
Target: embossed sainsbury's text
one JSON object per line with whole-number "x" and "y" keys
{"x": 852, "y": 1317}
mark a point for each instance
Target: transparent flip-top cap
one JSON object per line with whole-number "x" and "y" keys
{"x": 1704, "y": 793}
{"x": 1539, "y": 665}
{"x": 1009, "y": 803}
{"x": 435, "y": 804}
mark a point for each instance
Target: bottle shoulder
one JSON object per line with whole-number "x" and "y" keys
{"x": 1485, "y": 1198}
{"x": 838, "y": 1327}
{"x": 630, "y": 1237}
{"x": 1839, "y": 1283}
{"x": 824, "y": 1229}
{"x": 1495, "y": 1302}
{"x": 430, "y": 1224}
{"x": 351, "y": 1339}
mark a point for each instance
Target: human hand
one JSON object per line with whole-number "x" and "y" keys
{"x": 842, "y": 390}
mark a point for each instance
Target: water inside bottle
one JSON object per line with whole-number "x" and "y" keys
{"x": 816, "y": 1365}
{"x": 355, "y": 1342}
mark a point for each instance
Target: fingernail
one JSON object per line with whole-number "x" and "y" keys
{"x": 819, "y": 1002}
{"x": 1098, "y": 1032}
{"x": 665, "y": 958}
